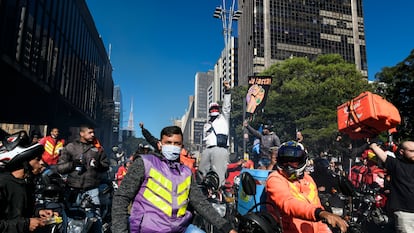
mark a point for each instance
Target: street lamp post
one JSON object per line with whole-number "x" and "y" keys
{"x": 227, "y": 16}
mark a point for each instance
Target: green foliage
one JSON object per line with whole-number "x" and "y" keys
{"x": 304, "y": 96}
{"x": 396, "y": 84}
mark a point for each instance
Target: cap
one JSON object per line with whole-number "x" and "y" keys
{"x": 214, "y": 109}
{"x": 214, "y": 106}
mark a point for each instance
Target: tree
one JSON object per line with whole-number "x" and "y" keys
{"x": 396, "y": 84}
{"x": 304, "y": 95}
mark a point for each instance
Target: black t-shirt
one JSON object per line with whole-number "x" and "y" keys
{"x": 401, "y": 186}
{"x": 15, "y": 204}
{"x": 326, "y": 179}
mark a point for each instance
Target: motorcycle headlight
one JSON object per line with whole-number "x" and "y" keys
{"x": 220, "y": 208}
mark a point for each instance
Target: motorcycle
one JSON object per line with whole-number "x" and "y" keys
{"x": 255, "y": 220}
{"x": 106, "y": 192}
{"x": 368, "y": 214}
{"x": 362, "y": 208}
{"x": 49, "y": 194}
{"x": 77, "y": 213}
{"x": 210, "y": 187}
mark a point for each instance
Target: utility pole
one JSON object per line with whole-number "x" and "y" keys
{"x": 227, "y": 16}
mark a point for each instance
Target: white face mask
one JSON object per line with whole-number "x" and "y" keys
{"x": 214, "y": 113}
{"x": 171, "y": 152}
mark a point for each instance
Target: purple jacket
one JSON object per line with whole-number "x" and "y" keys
{"x": 161, "y": 202}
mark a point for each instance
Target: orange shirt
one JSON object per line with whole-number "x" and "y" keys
{"x": 298, "y": 198}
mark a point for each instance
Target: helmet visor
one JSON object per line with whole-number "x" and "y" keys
{"x": 290, "y": 155}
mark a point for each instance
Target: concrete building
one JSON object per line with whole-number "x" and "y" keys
{"x": 273, "y": 30}
{"x": 54, "y": 67}
{"x": 196, "y": 114}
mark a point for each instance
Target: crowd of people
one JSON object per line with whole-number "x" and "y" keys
{"x": 157, "y": 190}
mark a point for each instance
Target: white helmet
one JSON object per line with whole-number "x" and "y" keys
{"x": 15, "y": 151}
{"x": 214, "y": 109}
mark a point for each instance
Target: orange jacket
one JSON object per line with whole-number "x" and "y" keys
{"x": 120, "y": 174}
{"x": 52, "y": 149}
{"x": 297, "y": 198}
{"x": 186, "y": 159}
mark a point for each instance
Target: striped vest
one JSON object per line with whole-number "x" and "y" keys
{"x": 161, "y": 202}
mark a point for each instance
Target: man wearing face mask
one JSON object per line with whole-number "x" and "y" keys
{"x": 215, "y": 156}
{"x": 161, "y": 191}
{"x": 295, "y": 195}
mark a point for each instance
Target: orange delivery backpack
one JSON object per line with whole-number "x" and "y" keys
{"x": 367, "y": 115}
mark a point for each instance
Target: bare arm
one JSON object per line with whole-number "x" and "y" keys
{"x": 378, "y": 151}
{"x": 227, "y": 101}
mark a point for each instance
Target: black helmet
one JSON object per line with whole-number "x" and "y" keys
{"x": 212, "y": 180}
{"x": 292, "y": 152}
{"x": 15, "y": 150}
{"x": 52, "y": 184}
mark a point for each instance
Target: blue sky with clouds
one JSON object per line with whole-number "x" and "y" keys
{"x": 157, "y": 47}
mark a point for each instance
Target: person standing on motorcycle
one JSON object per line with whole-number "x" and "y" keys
{"x": 401, "y": 170}
{"x": 216, "y": 155}
{"x": 161, "y": 191}
{"x": 21, "y": 163}
{"x": 84, "y": 161}
{"x": 295, "y": 195}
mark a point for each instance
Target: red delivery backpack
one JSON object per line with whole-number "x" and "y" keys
{"x": 367, "y": 115}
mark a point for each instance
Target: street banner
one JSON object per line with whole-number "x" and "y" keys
{"x": 257, "y": 93}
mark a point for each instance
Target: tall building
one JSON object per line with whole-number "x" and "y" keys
{"x": 196, "y": 115}
{"x": 55, "y": 68}
{"x": 117, "y": 119}
{"x": 220, "y": 67}
{"x": 202, "y": 82}
{"x": 274, "y": 30}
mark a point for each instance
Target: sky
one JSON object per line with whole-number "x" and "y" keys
{"x": 157, "y": 47}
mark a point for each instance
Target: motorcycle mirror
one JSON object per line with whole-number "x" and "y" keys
{"x": 248, "y": 184}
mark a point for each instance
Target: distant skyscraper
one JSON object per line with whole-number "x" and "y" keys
{"x": 129, "y": 131}
{"x": 130, "y": 126}
{"x": 274, "y": 30}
